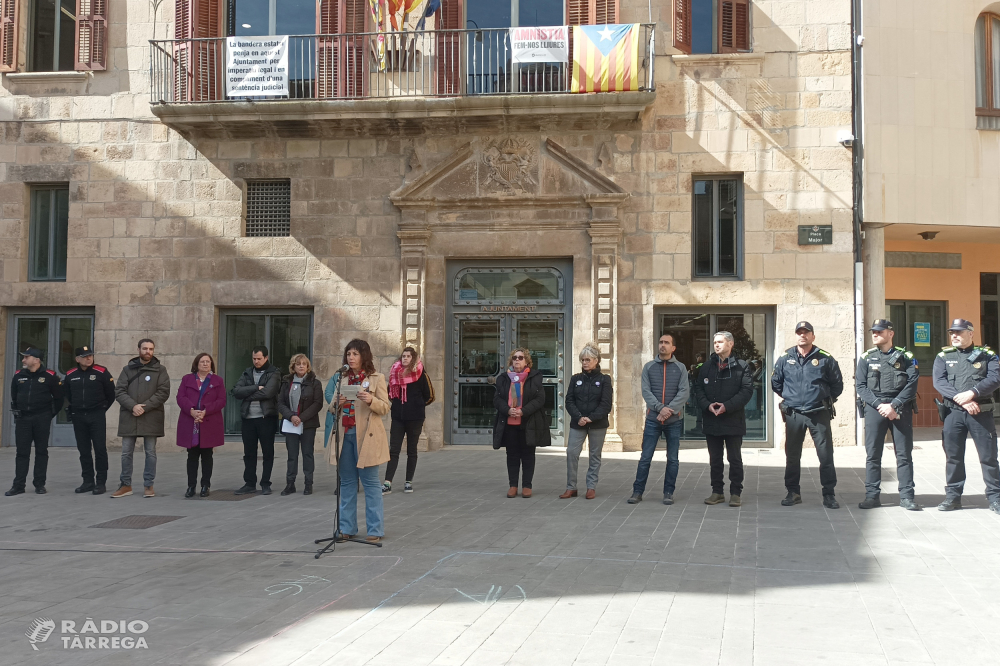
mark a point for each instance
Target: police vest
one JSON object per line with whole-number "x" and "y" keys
{"x": 966, "y": 370}
{"x": 887, "y": 372}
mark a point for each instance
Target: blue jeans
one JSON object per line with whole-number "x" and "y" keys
{"x": 128, "y": 449}
{"x": 349, "y": 475}
{"x": 650, "y": 436}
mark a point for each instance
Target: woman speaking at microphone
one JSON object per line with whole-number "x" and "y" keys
{"x": 364, "y": 400}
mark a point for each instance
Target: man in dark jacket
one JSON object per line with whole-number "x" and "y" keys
{"x": 36, "y": 395}
{"x": 258, "y": 389}
{"x": 90, "y": 391}
{"x": 588, "y": 402}
{"x": 723, "y": 387}
{"x": 142, "y": 390}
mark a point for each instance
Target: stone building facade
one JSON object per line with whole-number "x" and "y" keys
{"x": 393, "y": 203}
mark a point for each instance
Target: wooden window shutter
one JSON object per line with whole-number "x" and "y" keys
{"x": 342, "y": 50}
{"x": 328, "y": 24}
{"x": 605, "y": 12}
{"x": 734, "y": 25}
{"x": 8, "y": 35}
{"x": 682, "y": 25}
{"x": 591, "y": 12}
{"x": 199, "y": 74}
{"x": 449, "y": 61}
{"x": 356, "y": 52}
{"x": 91, "y": 35}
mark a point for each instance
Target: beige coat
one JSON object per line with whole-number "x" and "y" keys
{"x": 373, "y": 443}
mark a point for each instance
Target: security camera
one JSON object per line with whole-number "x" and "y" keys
{"x": 845, "y": 138}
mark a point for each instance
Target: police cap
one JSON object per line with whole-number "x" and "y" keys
{"x": 804, "y": 324}
{"x": 84, "y": 351}
{"x": 32, "y": 351}
{"x": 961, "y": 325}
{"x": 881, "y": 325}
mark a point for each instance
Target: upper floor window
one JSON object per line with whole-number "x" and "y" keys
{"x": 48, "y": 232}
{"x": 712, "y": 26}
{"x": 987, "y": 40}
{"x": 717, "y": 233}
{"x": 63, "y": 35}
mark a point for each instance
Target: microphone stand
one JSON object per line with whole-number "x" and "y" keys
{"x": 337, "y": 535}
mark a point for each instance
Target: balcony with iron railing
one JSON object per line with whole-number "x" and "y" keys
{"x": 392, "y": 82}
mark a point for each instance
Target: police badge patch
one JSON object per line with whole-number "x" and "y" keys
{"x": 977, "y": 365}
{"x": 815, "y": 361}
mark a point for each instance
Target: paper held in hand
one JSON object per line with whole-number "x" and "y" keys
{"x": 286, "y": 426}
{"x": 350, "y": 391}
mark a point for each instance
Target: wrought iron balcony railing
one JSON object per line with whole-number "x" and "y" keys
{"x": 431, "y": 63}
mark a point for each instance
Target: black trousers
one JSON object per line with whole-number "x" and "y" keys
{"x": 304, "y": 443}
{"x": 733, "y": 446}
{"x": 818, "y": 426}
{"x": 262, "y": 430}
{"x": 876, "y": 426}
{"x": 90, "y": 430}
{"x": 194, "y": 455}
{"x": 520, "y": 457}
{"x": 411, "y": 429}
{"x": 957, "y": 425}
{"x": 30, "y": 430}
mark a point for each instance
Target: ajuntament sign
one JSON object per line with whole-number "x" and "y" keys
{"x": 815, "y": 234}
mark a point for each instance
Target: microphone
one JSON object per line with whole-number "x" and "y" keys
{"x": 39, "y": 631}
{"x": 345, "y": 368}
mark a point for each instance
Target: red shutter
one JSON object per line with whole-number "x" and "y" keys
{"x": 8, "y": 35}
{"x": 91, "y": 35}
{"x": 605, "y": 12}
{"x": 342, "y": 61}
{"x": 328, "y": 59}
{"x": 356, "y": 56}
{"x": 449, "y": 46}
{"x": 199, "y": 63}
{"x": 734, "y": 25}
{"x": 682, "y": 25}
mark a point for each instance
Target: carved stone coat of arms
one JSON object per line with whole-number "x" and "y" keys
{"x": 511, "y": 164}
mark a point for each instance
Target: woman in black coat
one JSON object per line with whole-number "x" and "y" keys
{"x": 300, "y": 400}
{"x": 588, "y": 402}
{"x": 521, "y": 423}
{"x": 722, "y": 389}
{"x": 409, "y": 391}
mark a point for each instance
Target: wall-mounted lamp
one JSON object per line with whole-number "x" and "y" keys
{"x": 928, "y": 235}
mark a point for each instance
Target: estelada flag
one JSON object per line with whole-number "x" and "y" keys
{"x": 605, "y": 58}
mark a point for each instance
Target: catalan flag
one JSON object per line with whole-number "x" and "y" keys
{"x": 605, "y": 58}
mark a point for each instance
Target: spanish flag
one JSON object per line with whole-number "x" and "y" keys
{"x": 605, "y": 58}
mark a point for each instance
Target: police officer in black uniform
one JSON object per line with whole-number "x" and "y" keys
{"x": 90, "y": 390}
{"x": 966, "y": 376}
{"x": 36, "y": 395}
{"x": 886, "y": 381}
{"x": 808, "y": 380}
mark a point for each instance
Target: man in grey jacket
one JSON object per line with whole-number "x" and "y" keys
{"x": 665, "y": 391}
{"x": 258, "y": 389}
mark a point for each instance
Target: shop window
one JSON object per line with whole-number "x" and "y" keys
{"x": 919, "y": 327}
{"x": 987, "y": 45}
{"x": 284, "y": 332}
{"x": 269, "y": 208}
{"x": 717, "y": 228}
{"x": 712, "y": 26}
{"x": 48, "y": 233}
{"x": 989, "y": 315}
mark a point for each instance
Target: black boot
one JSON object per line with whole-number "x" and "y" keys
{"x": 204, "y": 491}
{"x": 85, "y": 488}
{"x": 308, "y": 490}
{"x": 190, "y": 492}
{"x": 870, "y": 502}
{"x": 99, "y": 489}
{"x": 289, "y": 489}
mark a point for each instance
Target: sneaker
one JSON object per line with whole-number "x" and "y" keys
{"x": 715, "y": 498}
{"x": 908, "y": 504}
{"x": 148, "y": 492}
{"x": 387, "y": 488}
{"x": 735, "y": 500}
{"x": 668, "y": 498}
{"x": 950, "y": 504}
{"x": 635, "y": 499}
{"x": 791, "y": 498}
{"x": 830, "y": 502}
{"x": 247, "y": 489}
{"x": 995, "y": 506}
{"x": 871, "y": 503}
{"x": 123, "y": 491}
{"x": 407, "y": 487}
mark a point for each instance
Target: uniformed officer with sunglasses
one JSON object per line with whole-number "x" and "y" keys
{"x": 886, "y": 381}
{"x": 966, "y": 377}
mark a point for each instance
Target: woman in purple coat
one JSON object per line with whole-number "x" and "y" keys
{"x": 200, "y": 426}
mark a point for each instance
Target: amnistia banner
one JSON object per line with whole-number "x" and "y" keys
{"x": 545, "y": 44}
{"x": 256, "y": 66}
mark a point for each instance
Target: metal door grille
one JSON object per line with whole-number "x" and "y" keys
{"x": 269, "y": 208}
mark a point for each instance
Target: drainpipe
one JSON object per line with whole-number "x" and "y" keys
{"x": 857, "y": 168}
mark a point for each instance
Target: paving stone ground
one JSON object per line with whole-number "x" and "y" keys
{"x": 467, "y": 576}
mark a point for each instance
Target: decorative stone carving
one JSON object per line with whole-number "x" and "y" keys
{"x": 511, "y": 164}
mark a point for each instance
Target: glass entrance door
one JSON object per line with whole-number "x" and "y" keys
{"x": 694, "y": 346}
{"x": 57, "y": 336}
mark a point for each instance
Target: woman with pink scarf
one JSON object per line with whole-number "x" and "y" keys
{"x": 522, "y": 422}
{"x": 409, "y": 391}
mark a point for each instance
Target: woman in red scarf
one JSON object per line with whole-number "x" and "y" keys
{"x": 409, "y": 392}
{"x": 522, "y": 423}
